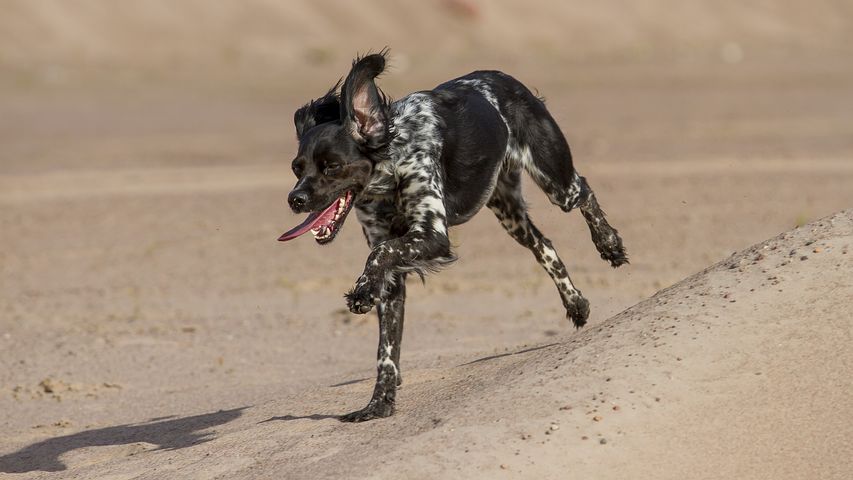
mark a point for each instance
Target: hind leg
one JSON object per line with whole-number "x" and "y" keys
{"x": 578, "y": 194}
{"x": 606, "y": 239}
{"x": 538, "y": 146}
{"x": 508, "y": 205}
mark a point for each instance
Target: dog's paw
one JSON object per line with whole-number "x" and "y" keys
{"x": 361, "y": 298}
{"x": 373, "y": 410}
{"x": 578, "y": 311}
{"x": 610, "y": 247}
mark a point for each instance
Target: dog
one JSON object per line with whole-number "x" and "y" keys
{"x": 414, "y": 167}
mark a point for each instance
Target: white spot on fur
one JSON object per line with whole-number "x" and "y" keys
{"x": 386, "y": 361}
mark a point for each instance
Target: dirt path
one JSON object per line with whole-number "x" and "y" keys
{"x": 737, "y": 352}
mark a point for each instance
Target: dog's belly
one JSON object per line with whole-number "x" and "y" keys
{"x": 464, "y": 199}
{"x": 474, "y": 150}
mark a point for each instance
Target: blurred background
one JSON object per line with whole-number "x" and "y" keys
{"x": 144, "y": 165}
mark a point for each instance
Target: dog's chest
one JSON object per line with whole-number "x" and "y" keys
{"x": 389, "y": 202}
{"x": 406, "y": 188}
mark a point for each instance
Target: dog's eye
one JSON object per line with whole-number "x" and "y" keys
{"x": 332, "y": 169}
{"x": 297, "y": 169}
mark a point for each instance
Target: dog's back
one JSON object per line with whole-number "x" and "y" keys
{"x": 486, "y": 127}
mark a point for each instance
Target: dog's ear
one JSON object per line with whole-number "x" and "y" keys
{"x": 364, "y": 108}
{"x": 322, "y": 110}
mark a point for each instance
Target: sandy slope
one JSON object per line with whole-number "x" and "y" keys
{"x": 742, "y": 370}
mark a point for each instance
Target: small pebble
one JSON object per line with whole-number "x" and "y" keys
{"x": 554, "y": 426}
{"x": 584, "y": 437}
{"x": 566, "y": 407}
{"x": 596, "y": 418}
{"x": 615, "y": 408}
{"x": 816, "y": 250}
{"x": 504, "y": 466}
{"x": 804, "y": 257}
{"x": 603, "y": 441}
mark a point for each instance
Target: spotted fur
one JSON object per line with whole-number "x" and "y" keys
{"x": 437, "y": 157}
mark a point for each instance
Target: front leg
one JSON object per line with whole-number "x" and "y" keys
{"x": 391, "y": 312}
{"x": 416, "y": 251}
{"x": 425, "y": 247}
{"x": 422, "y": 247}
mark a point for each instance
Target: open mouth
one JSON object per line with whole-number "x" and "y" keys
{"x": 325, "y": 224}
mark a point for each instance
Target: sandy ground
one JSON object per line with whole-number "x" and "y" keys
{"x": 151, "y": 327}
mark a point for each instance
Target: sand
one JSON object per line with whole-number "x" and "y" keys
{"x": 152, "y": 327}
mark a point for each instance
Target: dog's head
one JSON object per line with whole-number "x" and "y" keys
{"x": 340, "y": 136}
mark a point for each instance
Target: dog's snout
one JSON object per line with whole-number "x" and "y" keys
{"x": 297, "y": 200}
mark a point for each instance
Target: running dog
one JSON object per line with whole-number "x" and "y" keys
{"x": 416, "y": 166}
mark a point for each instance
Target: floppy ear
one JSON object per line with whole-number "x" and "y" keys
{"x": 364, "y": 108}
{"x": 322, "y": 110}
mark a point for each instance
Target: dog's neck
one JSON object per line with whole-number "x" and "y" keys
{"x": 382, "y": 182}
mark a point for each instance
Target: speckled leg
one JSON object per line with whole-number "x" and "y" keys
{"x": 606, "y": 239}
{"x": 391, "y": 311}
{"x": 579, "y": 195}
{"x": 508, "y": 205}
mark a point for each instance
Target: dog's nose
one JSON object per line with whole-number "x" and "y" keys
{"x": 297, "y": 200}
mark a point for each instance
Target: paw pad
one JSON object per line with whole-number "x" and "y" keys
{"x": 360, "y": 300}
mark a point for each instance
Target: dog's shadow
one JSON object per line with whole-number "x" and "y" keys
{"x": 287, "y": 418}
{"x": 166, "y": 432}
{"x": 508, "y": 354}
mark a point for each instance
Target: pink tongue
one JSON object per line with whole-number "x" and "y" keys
{"x": 314, "y": 219}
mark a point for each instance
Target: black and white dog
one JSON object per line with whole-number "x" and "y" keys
{"x": 414, "y": 167}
